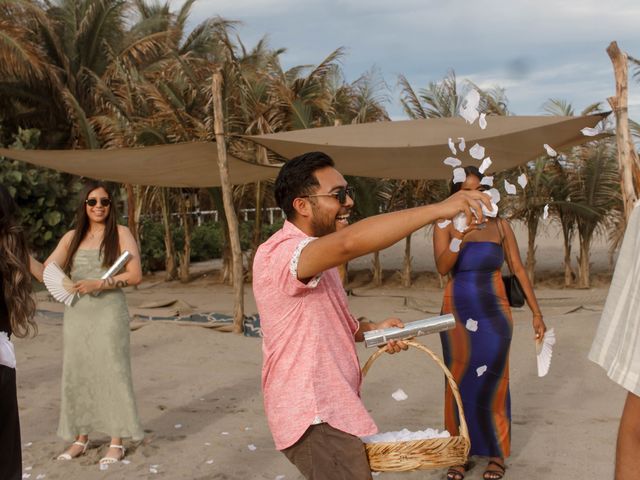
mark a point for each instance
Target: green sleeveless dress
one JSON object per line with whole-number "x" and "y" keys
{"x": 97, "y": 391}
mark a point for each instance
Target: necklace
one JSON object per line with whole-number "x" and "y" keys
{"x": 92, "y": 235}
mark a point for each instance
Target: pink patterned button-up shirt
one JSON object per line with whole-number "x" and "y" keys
{"x": 310, "y": 367}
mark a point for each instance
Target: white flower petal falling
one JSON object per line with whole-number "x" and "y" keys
{"x": 452, "y": 162}
{"x": 481, "y": 370}
{"x": 477, "y": 151}
{"x": 486, "y": 163}
{"x": 483, "y": 121}
{"x": 545, "y": 213}
{"x": 459, "y": 175}
{"x": 462, "y": 145}
{"x": 550, "y": 151}
{"x": 472, "y": 325}
{"x": 510, "y": 188}
{"x": 487, "y": 181}
{"x": 469, "y": 107}
{"x": 522, "y": 180}
{"x": 454, "y": 245}
{"x": 452, "y": 147}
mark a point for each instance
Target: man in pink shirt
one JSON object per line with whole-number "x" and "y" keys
{"x": 311, "y": 374}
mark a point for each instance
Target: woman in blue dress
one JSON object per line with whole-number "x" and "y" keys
{"x": 477, "y": 349}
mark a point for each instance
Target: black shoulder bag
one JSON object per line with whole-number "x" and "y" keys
{"x": 511, "y": 282}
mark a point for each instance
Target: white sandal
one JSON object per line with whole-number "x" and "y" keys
{"x": 67, "y": 456}
{"x": 110, "y": 460}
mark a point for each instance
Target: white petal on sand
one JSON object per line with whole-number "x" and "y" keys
{"x": 488, "y": 181}
{"x": 125, "y": 461}
{"x": 40, "y": 476}
{"x": 452, "y": 146}
{"x": 154, "y": 466}
{"x": 477, "y": 151}
{"x": 224, "y": 433}
{"x": 545, "y": 214}
{"x": 207, "y": 444}
{"x": 590, "y": 132}
{"x": 522, "y": 180}
{"x": 550, "y": 151}
{"x": 26, "y": 475}
{"x": 510, "y": 188}
{"x": 444, "y": 223}
{"x": 469, "y": 107}
{"x": 247, "y": 429}
{"x": 28, "y": 444}
{"x": 399, "y": 395}
{"x": 26, "y": 469}
{"x": 452, "y": 162}
{"x": 462, "y": 145}
{"x": 375, "y": 474}
{"x": 481, "y": 370}
{"x": 486, "y": 163}
{"x": 177, "y": 425}
{"x": 153, "y": 470}
{"x": 104, "y": 466}
{"x": 280, "y": 477}
{"x": 454, "y": 246}
{"x": 209, "y": 462}
{"x": 483, "y": 121}
{"x": 495, "y": 195}
{"x": 252, "y": 447}
{"x": 459, "y": 175}
{"x": 472, "y": 325}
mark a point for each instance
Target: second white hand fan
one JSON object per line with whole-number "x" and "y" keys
{"x": 544, "y": 350}
{"x": 59, "y": 285}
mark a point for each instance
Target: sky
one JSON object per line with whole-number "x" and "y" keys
{"x": 536, "y": 50}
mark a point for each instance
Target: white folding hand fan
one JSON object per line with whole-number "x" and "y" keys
{"x": 58, "y": 284}
{"x": 544, "y": 350}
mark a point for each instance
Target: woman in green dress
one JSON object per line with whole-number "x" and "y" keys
{"x": 97, "y": 391}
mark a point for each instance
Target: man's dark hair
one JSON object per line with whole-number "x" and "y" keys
{"x": 297, "y": 178}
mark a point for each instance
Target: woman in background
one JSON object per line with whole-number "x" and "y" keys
{"x": 97, "y": 390}
{"x": 476, "y": 351}
{"x": 17, "y": 308}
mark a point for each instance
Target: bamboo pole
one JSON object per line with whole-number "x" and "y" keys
{"x": 227, "y": 197}
{"x": 628, "y": 162}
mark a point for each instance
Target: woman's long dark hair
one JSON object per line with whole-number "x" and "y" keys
{"x": 110, "y": 245}
{"x": 14, "y": 268}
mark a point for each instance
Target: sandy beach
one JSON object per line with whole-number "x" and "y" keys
{"x": 198, "y": 389}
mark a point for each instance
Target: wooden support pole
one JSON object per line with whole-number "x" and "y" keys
{"x": 628, "y": 163}
{"x": 227, "y": 198}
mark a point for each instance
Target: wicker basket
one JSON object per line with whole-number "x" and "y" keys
{"x": 420, "y": 454}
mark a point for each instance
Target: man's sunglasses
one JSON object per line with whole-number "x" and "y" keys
{"x": 92, "y": 202}
{"x": 340, "y": 194}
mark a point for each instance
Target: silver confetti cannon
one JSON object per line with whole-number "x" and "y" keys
{"x": 117, "y": 265}
{"x": 375, "y": 338}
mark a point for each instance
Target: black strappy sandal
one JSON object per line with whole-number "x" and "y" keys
{"x": 494, "y": 474}
{"x": 454, "y": 474}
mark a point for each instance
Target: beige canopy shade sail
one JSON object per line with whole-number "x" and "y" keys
{"x": 172, "y": 165}
{"x": 415, "y": 149}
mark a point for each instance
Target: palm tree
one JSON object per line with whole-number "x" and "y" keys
{"x": 596, "y": 188}
{"x": 561, "y": 171}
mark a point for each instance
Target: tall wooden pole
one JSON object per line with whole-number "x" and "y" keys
{"x": 628, "y": 163}
{"x": 227, "y": 198}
